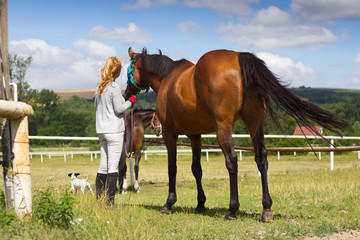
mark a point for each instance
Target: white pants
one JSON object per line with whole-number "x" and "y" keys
{"x": 111, "y": 145}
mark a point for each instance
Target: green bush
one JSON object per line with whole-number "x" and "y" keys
{"x": 54, "y": 213}
{"x": 8, "y": 220}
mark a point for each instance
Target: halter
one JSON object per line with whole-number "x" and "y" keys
{"x": 130, "y": 72}
{"x": 154, "y": 127}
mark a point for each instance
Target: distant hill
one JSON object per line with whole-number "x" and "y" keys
{"x": 83, "y": 93}
{"x": 318, "y": 96}
{"x": 321, "y": 96}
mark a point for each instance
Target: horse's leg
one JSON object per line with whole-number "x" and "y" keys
{"x": 170, "y": 142}
{"x": 262, "y": 164}
{"x": 136, "y": 170}
{"x": 197, "y": 171}
{"x": 253, "y": 117}
{"x": 224, "y": 138}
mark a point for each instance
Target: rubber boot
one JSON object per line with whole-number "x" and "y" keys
{"x": 111, "y": 188}
{"x": 100, "y": 184}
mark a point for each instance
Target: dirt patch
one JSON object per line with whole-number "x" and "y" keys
{"x": 350, "y": 235}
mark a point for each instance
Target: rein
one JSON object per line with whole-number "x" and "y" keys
{"x": 129, "y": 154}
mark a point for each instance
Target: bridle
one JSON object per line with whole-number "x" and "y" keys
{"x": 155, "y": 129}
{"x": 130, "y": 81}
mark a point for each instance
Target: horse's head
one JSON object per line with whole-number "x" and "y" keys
{"x": 155, "y": 125}
{"x": 136, "y": 81}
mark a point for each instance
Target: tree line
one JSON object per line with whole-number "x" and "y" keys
{"x": 76, "y": 116}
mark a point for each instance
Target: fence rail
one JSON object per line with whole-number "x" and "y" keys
{"x": 206, "y": 151}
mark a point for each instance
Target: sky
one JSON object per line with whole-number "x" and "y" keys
{"x": 305, "y": 43}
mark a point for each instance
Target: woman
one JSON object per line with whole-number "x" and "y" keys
{"x": 110, "y": 107}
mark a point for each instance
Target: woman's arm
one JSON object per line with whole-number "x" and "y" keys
{"x": 120, "y": 105}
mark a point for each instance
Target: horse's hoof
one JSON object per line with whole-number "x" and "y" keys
{"x": 267, "y": 216}
{"x": 124, "y": 192}
{"x": 201, "y": 210}
{"x": 230, "y": 216}
{"x": 165, "y": 210}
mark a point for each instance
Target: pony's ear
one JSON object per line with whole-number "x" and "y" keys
{"x": 144, "y": 51}
{"x": 132, "y": 55}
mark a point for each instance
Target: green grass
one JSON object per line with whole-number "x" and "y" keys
{"x": 308, "y": 200}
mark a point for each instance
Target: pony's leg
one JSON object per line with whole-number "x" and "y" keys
{"x": 136, "y": 170}
{"x": 255, "y": 124}
{"x": 225, "y": 141}
{"x": 197, "y": 171}
{"x": 170, "y": 142}
{"x": 124, "y": 186}
{"x": 122, "y": 172}
{"x": 123, "y": 179}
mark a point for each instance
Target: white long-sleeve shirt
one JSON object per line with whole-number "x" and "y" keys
{"x": 110, "y": 107}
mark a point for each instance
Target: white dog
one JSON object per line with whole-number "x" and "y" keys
{"x": 81, "y": 184}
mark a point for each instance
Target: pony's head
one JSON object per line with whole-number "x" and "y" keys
{"x": 135, "y": 82}
{"x": 155, "y": 125}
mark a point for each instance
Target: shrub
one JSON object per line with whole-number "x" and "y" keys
{"x": 8, "y": 220}
{"x": 54, "y": 213}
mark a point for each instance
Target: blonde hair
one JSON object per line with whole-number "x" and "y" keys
{"x": 109, "y": 73}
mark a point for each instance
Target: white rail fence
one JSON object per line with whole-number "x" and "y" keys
{"x": 93, "y": 154}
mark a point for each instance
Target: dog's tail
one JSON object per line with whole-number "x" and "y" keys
{"x": 88, "y": 177}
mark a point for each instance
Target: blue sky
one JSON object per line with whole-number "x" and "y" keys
{"x": 306, "y": 43}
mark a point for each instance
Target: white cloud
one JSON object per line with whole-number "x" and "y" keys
{"x": 142, "y": 4}
{"x": 272, "y": 16}
{"x": 42, "y": 53}
{"x": 273, "y": 28}
{"x": 57, "y": 68}
{"x": 236, "y": 7}
{"x": 295, "y": 73}
{"x": 352, "y": 80}
{"x": 95, "y": 49}
{"x": 128, "y": 36}
{"x": 357, "y": 60}
{"x": 320, "y": 10}
{"x": 355, "y": 76}
{"x": 188, "y": 27}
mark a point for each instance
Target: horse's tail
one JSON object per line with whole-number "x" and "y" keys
{"x": 256, "y": 75}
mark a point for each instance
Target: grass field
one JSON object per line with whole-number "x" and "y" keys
{"x": 308, "y": 200}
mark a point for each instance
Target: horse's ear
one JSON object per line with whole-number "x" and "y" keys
{"x": 144, "y": 51}
{"x": 132, "y": 55}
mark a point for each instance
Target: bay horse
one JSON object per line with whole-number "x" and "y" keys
{"x": 209, "y": 96}
{"x": 142, "y": 118}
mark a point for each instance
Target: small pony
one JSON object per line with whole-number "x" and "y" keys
{"x": 81, "y": 184}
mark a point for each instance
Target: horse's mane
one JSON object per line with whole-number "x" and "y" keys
{"x": 143, "y": 110}
{"x": 159, "y": 64}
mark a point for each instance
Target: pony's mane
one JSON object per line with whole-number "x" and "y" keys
{"x": 143, "y": 110}
{"x": 159, "y": 64}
